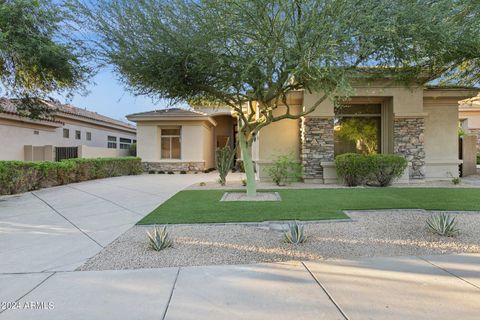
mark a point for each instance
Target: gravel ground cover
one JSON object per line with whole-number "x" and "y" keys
{"x": 369, "y": 234}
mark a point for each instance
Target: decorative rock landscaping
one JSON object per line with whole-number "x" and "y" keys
{"x": 369, "y": 234}
{"x": 174, "y": 166}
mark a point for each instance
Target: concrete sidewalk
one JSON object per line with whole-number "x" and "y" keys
{"x": 438, "y": 287}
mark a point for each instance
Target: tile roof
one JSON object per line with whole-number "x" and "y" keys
{"x": 7, "y": 106}
{"x": 170, "y": 112}
{"x": 473, "y": 102}
{"x": 10, "y": 106}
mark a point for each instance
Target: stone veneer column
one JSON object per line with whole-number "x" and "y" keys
{"x": 316, "y": 146}
{"x": 477, "y": 133}
{"x": 408, "y": 141}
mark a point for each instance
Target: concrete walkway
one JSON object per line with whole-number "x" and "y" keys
{"x": 439, "y": 287}
{"x": 45, "y": 235}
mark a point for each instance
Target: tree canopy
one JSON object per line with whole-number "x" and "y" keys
{"x": 468, "y": 71}
{"x": 38, "y": 53}
{"x": 251, "y": 53}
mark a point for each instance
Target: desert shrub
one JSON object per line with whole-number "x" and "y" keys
{"x": 21, "y": 176}
{"x": 352, "y": 168}
{"x": 375, "y": 169}
{"x": 384, "y": 168}
{"x": 285, "y": 169}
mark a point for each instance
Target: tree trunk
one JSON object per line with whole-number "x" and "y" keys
{"x": 246, "y": 148}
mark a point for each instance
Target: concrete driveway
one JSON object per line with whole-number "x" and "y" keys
{"x": 47, "y": 234}
{"x": 57, "y": 229}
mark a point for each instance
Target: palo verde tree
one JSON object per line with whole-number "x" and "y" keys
{"x": 468, "y": 71}
{"x": 38, "y": 54}
{"x": 249, "y": 54}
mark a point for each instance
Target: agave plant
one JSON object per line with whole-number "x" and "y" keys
{"x": 159, "y": 238}
{"x": 295, "y": 234}
{"x": 442, "y": 224}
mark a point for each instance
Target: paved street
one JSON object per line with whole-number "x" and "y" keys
{"x": 47, "y": 234}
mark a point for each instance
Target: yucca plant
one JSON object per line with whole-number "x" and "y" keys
{"x": 442, "y": 224}
{"x": 159, "y": 238}
{"x": 295, "y": 234}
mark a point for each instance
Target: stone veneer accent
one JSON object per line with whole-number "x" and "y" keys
{"x": 174, "y": 166}
{"x": 317, "y": 146}
{"x": 408, "y": 141}
{"x": 477, "y": 133}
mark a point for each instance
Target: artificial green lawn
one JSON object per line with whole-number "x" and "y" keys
{"x": 202, "y": 206}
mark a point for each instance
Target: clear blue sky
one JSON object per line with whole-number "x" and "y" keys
{"x": 109, "y": 97}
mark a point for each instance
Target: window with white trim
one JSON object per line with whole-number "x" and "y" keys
{"x": 112, "y": 142}
{"x": 170, "y": 143}
{"x": 125, "y": 143}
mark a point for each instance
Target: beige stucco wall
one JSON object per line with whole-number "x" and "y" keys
{"x": 148, "y": 145}
{"x": 14, "y": 135}
{"x": 13, "y": 138}
{"x": 278, "y": 138}
{"x": 471, "y": 119}
{"x": 193, "y": 139}
{"x": 99, "y": 152}
{"x": 406, "y": 101}
{"x": 441, "y": 139}
{"x": 196, "y": 141}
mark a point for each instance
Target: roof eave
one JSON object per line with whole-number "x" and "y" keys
{"x": 456, "y": 93}
{"x": 136, "y": 118}
{"x": 19, "y": 118}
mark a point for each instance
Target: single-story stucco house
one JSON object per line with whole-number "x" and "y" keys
{"x": 418, "y": 122}
{"x": 469, "y": 114}
{"x": 35, "y": 139}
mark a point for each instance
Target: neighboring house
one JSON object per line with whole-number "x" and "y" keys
{"x": 420, "y": 123}
{"x": 23, "y": 138}
{"x": 469, "y": 115}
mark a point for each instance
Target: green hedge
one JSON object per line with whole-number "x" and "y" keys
{"x": 376, "y": 169}
{"x": 478, "y": 158}
{"x": 21, "y": 176}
